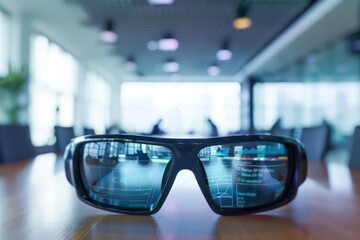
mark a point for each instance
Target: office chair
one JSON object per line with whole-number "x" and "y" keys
{"x": 63, "y": 137}
{"x": 316, "y": 141}
{"x": 89, "y": 131}
{"x": 354, "y": 161}
{"x": 15, "y": 143}
{"x": 277, "y": 130}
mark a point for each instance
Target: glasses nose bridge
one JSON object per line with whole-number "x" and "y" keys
{"x": 185, "y": 157}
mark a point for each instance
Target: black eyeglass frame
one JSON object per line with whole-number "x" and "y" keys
{"x": 185, "y": 156}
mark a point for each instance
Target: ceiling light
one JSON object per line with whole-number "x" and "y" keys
{"x": 130, "y": 64}
{"x": 161, "y": 2}
{"x": 171, "y": 66}
{"x": 224, "y": 53}
{"x": 214, "y": 70}
{"x": 242, "y": 23}
{"x": 108, "y": 34}
{"x": 242, "y": 20}
{"x": 168, "y": 43}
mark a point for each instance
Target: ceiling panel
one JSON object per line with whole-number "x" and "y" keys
{"x": 200, "y": 27}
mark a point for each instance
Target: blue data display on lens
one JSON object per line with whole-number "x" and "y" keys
{"x": 125, "y": 174}
{"x": 244, "y": 175}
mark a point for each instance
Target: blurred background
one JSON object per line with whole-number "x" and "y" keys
{"x": 180, "y": 68}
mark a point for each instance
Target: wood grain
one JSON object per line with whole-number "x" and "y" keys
{"x": 37, "y": 203}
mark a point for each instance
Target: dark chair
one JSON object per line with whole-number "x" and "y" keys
{"x": 15, "y": 143}
{"x": 285, "y": 132}
{"x": 63, "y": 138}
{"x": 316, "y": 141}
{"x": 277, "y": 130}
{"x": 355, "y": 149}
{"x": 89, "y": 131}
{"x": 143, "y": 157}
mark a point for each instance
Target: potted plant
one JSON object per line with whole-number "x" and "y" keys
{"x": 11, "y": 87}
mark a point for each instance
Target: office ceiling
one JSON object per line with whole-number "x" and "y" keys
{"x": 200, "y": 26}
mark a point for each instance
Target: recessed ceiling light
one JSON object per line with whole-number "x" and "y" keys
{"x": 168, "y": 43}
{"x": 214, "y": 70}
{"x": 224, "y": 53}
{"x": 242, "y": 21}
{"x": 161, "y": 2}
{"x": 171, "y": 66}
{"x": 130, "y": 64}
{"x": 108, "y": 33}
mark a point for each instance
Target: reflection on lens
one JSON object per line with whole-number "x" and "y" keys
{"x": 245, "y": 175}
{"x": 125, "y": 175}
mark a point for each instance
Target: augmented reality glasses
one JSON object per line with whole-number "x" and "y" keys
{"x": 236, "y": 174}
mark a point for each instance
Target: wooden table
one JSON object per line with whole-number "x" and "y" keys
{"x": 36, "y": 202}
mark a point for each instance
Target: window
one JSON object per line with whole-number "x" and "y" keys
{"x": 184, "y": 107}
{"x": 325, "y": 86}
{"x": 54, "y": 74}
{"x": 308, "y": 104}
{"x": 98, "y": 102}
{"x": 4, "y": 57}
{"x": 4, "y": 44}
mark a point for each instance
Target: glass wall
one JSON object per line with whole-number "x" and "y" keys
{"x": 97, "y": 102}
{"x": 183, "y": 107}
{"x": 54, "y": 75}
{"x": 4, "y": 58}
{"x": 324, "y": 85}
{"x": 4, "y": 43}
{"x": 308, "y": 104}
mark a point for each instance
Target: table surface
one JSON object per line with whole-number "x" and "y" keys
{"x": 36, "y": 202}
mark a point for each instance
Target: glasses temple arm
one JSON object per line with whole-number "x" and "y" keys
{"x": 303, "y": 165}
{"x": 68, "y": 156}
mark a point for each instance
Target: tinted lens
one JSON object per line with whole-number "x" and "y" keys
{"x": 125, "y": 175}
{"x": 245, "y": 175}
